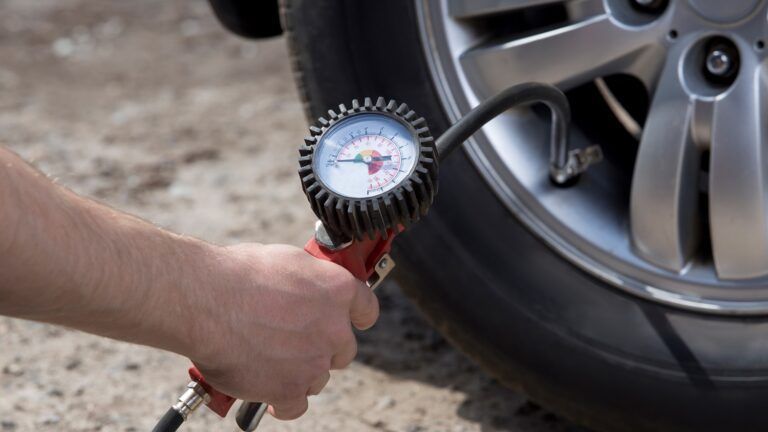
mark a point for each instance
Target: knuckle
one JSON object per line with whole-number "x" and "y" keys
{"x": 293, "y": 410}
{"x": 345, "y": 357}
{"x": 312, "y": 370}
{"x": 342, "y": 285}
{"x": 290, "y": 391}
{"x": 339, "y": 332}
{"x": 319, "y": 366}
{"x": 299, "y": 412}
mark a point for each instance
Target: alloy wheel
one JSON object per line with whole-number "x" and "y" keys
{"x": 685, "y": 221}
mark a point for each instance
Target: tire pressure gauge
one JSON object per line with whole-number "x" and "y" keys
{"x": 369, "y": 170}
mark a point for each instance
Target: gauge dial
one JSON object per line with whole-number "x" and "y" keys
{"x": 365, "y": 155}
{"x": 369, "y": 170}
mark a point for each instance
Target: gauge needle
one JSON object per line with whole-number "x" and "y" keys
{"x": 366, "y": 160}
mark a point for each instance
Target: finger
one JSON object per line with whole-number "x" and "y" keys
{"x": 347, "y": 353}
{"x": 289, "y": 410}
{"x": 319, "y": 384}
{"x": 365, "y": 308}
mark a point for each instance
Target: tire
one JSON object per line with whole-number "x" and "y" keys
{"x": 603, "y": 358}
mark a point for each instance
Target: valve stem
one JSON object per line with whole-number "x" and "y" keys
{"x": 578, "y": 161}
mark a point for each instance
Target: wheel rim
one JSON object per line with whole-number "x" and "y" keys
{"x": 689, "y": 225}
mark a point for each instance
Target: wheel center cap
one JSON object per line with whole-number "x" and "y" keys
{"x": 724, "y": 11}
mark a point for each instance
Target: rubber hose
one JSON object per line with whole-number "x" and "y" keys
{"x": 522, "y": 94}
{"x": 170, "y": 422}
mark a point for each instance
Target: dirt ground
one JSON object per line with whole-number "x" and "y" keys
{"x": 150, "y": 106}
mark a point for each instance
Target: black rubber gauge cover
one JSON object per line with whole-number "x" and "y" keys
{"x": 348, "y": 218}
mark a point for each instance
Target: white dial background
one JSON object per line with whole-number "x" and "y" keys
{"x": 365, "y": 155}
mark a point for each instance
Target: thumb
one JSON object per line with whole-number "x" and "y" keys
{"x": 365, "y": 308}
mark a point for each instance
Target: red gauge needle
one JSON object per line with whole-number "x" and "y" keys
{"x": 367, "y": 159}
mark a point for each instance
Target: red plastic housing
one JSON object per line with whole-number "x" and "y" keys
{"x": 359, "y": 258}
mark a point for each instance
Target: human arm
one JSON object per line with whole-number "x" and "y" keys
{"x": 261, "y": 322}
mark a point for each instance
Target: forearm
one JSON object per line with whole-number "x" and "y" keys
{"x": 271, "y": 320}
{"x": 71, "y": 261}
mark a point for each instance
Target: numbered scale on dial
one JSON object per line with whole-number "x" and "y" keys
{"x": 369, "y": 170}
{"x": 366, "y": 154}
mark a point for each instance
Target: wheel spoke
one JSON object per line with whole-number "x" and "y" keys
{"x": 607, "y": 48}
{"x": 737, "y": 178}
{"x": 474, "y": 8}
{"x": 663, "y": 205}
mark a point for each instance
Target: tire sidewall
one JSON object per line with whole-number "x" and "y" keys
{"x": 570, "y": 341}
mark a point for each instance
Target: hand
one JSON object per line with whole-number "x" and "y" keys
{"x": 276, "y": 323}
{"x": 262, "y": 323}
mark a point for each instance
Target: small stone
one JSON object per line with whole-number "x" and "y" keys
{"x": 13, "y": 369}
{"x": 132, "y": 366}
{"x": 385, "y": 402}
{"x": 63, "y": 47}
{"x": 111, "y": 28}
{"x": 53, "y": 332}
{"x": 8, "y": 425}
{"x": 55, "y": 393}
{"x": 201, "y": 155}
{"x": 52, "y": 419}
{"x": 73, "y": 364}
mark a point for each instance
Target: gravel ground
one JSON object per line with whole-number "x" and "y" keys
{"x": 151, "y": 107}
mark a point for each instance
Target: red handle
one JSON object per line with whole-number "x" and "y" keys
{"x": 360, "y": 257}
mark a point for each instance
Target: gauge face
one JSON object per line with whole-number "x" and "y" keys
{"x": 365, "y": 155}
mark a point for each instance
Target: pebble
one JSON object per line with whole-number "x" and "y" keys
{"x": 63, "y": 47}
{"x": 113, "y": 27}
{"x": 73, "y": 364}
{"x": 8, "y": 425}
{"x": 378, "y": 424}
{"x": 52, "y": 419}
{"x": 13, "y": 369}
{"x": 385, "y": 402}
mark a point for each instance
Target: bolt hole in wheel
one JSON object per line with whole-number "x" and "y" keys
{"x": 721, "y": 61}
{"x": 672, "y": 35}
{"x": 670, "y": 90}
